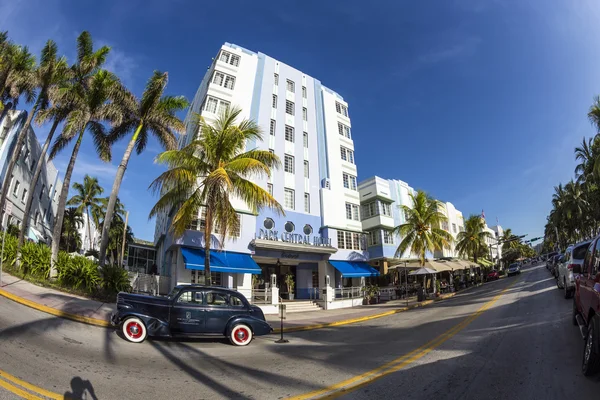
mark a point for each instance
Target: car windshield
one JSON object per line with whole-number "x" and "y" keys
{"x": 579, "y": 252}
{"x": 173, "y": 292}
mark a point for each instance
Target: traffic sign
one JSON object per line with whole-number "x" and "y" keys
{"x": 8, "y": 208}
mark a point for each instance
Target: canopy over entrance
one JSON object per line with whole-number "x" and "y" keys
{"x": 354, "y": 269}
{"x": 220, "y": 261}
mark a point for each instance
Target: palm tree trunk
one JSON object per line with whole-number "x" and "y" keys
{"x": 207, "y": 230}
{"x": 32, "y": 186}
{"x": 62, "y": 201}
{"x": 87, "y": 210}
{"x": 110, "y": 208}
{"x": 14, "y": 157}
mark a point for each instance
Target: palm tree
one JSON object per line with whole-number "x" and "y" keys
{"x": 219, "y": 160}
{"x": 88, "y": 93}
{"x": 471, "y": 241}
{"x": 71, "y": 223}
{"x": 153, "y": 113}
{"x": 16, "y": 71}
{"x": 115, "y": 237}
{"x": 509, "y": 240}
{"x": 586, "y": 156}
{"x": 421, "y": 232}
{"x": 594, "y": 117}
{"x": 87, "y": 198}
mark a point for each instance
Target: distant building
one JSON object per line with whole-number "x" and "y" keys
{"x": 496, "y": 233}
{"x": 453, "y": 226}
{"x": 86, "y": 233}
{"x": 47, "y": 191}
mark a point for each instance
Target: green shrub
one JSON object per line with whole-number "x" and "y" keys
{"x": 78, "y": 272}
{"x": 10, "y": 251}
{"x": 35, "y": 259}
{"x": 115, "y": 279}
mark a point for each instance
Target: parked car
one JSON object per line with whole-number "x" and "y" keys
{"x": 574, "y": 255}
{"x": 514, "y": 269}
{"x": 586, "y": 304}
{"x": 190, "y": 310}
{"x": 493, "y": 275}
{"x": 549, "y": 258}
{"x": 553, "y": 266}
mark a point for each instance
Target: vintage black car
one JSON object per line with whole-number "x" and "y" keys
{"x": 190, "y": 310}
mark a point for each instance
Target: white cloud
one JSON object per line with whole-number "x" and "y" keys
{"x": 105, "y": 172}
{"x": 120, "y": 63}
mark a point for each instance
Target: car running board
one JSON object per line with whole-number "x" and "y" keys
{"x": 582, "y": 326}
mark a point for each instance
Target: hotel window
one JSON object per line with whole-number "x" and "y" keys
{"x": 229, "y": 58}
{"x": 215, "y": 105}
{"x": 44, "y": 214}
{"x": 341, "y": 109}
{"x": 344, "y": 130}
{"x": 37, "y": 217}
{"x": 373, "y": 238}
{"x": 288, "y": 163}
{"x": 289, "y": 134}
{"x": 368, "y": 210}
{"x": 16, "y": 188}
{"x": 445, "y": 225}
{"x": 218, "y": 78}
{"x": 289, "y": 107}
{"x": 304, "y": 92}
{"x": 26, "y": 155}
{"x": 347, "y": 154}
{"x": 276, "y": 77}
{"x": 304, "y": 114}
{"x": 340, "y": 240}
{"x": 386, "y": 209}
{"x": 306, "y": 202}
{"x": 288, "y": 198}
{"x": 454, "y": 228}
{"x": 388, "y": 237}
{"x": 349, "y": 181}
{"x": 305, "y": 140}
{"x": 274, "y": 101}
{"x": 42, "y": 192}
{"x": 306, "y": 169}
{"x": 352, "y": 211}
{"x": 289, "y": 85}
{"x": 270, "y": 188}
{"x": 272, "y": 128}
{"x": 24, "y": 196}
{"x": 229, "y": 82}
{"x": 234, "y": 231}
{"x": 33, "y": 165}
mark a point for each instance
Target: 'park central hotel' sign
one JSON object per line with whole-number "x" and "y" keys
{"x": 288, "y": 237}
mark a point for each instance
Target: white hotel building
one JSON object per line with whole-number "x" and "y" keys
{"x": 319, "y": 241}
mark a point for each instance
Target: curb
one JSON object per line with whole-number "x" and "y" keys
{"x": 362, "y": 319}
{"x": 55, "y": 311}
{"x": 106, "y": 324}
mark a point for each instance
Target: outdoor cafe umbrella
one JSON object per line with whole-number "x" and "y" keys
{"x": 424, "y": 271}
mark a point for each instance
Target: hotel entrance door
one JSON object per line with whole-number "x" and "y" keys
{"x": 280, "y": 272}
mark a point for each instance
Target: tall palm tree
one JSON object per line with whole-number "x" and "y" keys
{"x": 16, "y": 71}
{"x": 421, "y": 232}
{"x": 509, "y": 240}
{"x": 100, "y": 213}
{"x": 88, "y": 93}
{"x": 219, "y": 160}
{"x": 71, "y": 223}
{"x": 115, "y": 241}
{"x": 153, "y": 113}
{"x": 471, "y": 241}
{"x": 594, "y": 117}
{"x": 585, "y": 155}
{"x": 87, "y": 198}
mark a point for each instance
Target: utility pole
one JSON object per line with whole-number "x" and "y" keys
{"x": 124, "y": 237}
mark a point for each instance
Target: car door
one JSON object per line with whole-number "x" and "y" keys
{"x": 187, "y": 313}
{"x": 584, "y": 279}
{"x": 219, "y": 310}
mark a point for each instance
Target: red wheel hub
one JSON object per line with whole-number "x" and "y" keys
{"x": 134, "y": 330}
{"x": 242, "y": 335}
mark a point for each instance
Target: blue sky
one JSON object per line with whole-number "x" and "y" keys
{"x": 478, "y": 102}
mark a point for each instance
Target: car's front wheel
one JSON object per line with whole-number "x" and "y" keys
{"x": 591, "y": 357}
{"x": 134, "y": 330}
{"x": 241, "y": 335}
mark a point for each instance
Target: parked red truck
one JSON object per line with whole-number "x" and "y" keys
{"x": 586, "y": 306}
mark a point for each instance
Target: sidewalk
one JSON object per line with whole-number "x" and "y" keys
{"x": 70, "y": 306}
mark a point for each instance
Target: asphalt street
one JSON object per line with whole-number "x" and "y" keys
{"x": 510, "y": 339}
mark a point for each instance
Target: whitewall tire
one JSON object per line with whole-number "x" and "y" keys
{"x": 241, "y": 335}
{"x": 134, "y": 330}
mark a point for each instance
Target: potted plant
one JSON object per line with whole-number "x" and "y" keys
{"x": 289, "y": 282}
{"x": 370, "y": 294}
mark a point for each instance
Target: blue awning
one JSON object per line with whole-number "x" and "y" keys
{"x": 220, "y": 261}
{"x": 354, "y": 269}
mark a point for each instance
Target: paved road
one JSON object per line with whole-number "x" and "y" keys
{"x": 522, "y": 346}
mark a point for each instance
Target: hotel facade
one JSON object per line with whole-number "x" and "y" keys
{"x": 319, "y": 243}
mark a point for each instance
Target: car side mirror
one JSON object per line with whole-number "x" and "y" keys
{"x": 577, "y": 269}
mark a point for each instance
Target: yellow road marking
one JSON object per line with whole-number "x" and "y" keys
{"x": 17, "y": 391}
{"x": 354, "y": 383}
{"x": 29, "y": 386}
{"x": 54, "y": 311}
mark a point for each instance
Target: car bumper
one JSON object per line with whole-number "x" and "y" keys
{"x": 114, "y": 319}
